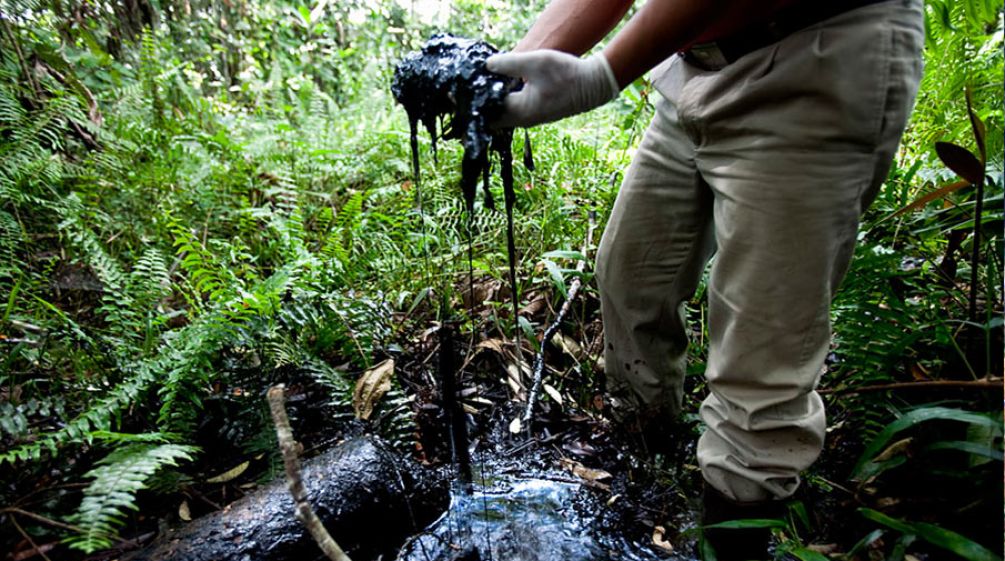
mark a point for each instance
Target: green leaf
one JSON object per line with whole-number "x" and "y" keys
{"x": 935, "y": 535}
{"x": 806, "y": 554}
{"x": 305, "y": 15}
{"x": 865, "y": 542}
{"x": 556, "y": 276}
{"x": 887, "y": 521}
{"x": 909, "y": 420}
{"x": 117, "y": 479}
{"x": 958, "y": 544}
{"x": 968, "y": 447}
{"x": 565, "y": 254}
{"x": 798, "y": 512}
{"x": 749, "y": 523}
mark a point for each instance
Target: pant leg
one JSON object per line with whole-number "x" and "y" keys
{"x": 654, "y": 248}
{"x": 794, "y": 141}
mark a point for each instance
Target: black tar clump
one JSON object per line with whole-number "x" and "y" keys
{"x": 447, "y": 81}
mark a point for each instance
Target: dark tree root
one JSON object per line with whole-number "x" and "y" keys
{"x": 369, "y": 498}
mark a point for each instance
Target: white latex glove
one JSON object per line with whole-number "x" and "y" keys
{"x": 557, "y": 85}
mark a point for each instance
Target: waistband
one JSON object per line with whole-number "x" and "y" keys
{"x": 718, "y": 54}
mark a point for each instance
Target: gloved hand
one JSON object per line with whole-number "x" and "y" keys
{"x": 557, "y": 85}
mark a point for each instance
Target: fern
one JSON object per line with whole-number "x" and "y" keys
{"x": 11, "y": 240}
{"x": 117, "y": 479}
{"x": 97, "y": 417}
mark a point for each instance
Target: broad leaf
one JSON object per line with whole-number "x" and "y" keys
{"x": 749, "y": 523}
{"x": 961, "y": 161}
{"x": 909, "y": 420}
{"x": 935, "y": 535}
{"x": 806, "y": 554}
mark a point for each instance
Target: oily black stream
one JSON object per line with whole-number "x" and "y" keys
{"x": 447, "y": 82}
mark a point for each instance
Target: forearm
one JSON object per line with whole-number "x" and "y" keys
{"x": 574, "y": 26}
{"x": 663, "y": 27}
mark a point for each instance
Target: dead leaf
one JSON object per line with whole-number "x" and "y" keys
{"x": 613, "y": 499}
{"x": 893, "y": 449}
{"x": 183, "y": 512}
{"x": 553, "y": 394}
{"x": 470, "y": 409}
{"x": 579, "y": 448}
{"x": 230, "y": 473}
{"x": 537, "y": 304}
{"x": 568, "y": 345}
{"x": 370, "y": 387}
{"x": 496, "y": 345}
{"x": 824, "y": 548}
{"x": 660, "y": 541}
{"x": 583, "y": 472}
{"x": 515, "y": 426}
{"x": 513, "y": 379}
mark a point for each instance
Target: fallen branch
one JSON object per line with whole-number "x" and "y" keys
{"x": 993, "y": 384}
{"x": 291, "y": 461}
{"x": 553, "y": 328}
{"x": 368, "y": 497}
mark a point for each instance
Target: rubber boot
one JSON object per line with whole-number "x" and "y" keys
{"x": 742, "y": 544}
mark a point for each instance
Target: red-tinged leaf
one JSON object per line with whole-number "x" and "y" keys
{"x": 939, "y": 193}
{"x": 961, "y": 161}
{"x": 980, "y": 132}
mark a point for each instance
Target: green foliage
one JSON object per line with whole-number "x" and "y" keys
{"x": 935, "y": 535}
{"x": 207, "y": 199}
{"x": 117, "y": 479}
{"x": 869, "y": 466}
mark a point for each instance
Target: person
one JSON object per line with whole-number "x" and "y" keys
{"x": 777, "y": 124}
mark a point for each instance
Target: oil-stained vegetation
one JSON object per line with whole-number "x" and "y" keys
{"x": 199, "y": 200}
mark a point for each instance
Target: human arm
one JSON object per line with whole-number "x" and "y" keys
{"x": 560, "y": 85}
{"x": 573, "y": 26}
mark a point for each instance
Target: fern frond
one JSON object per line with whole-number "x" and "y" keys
{"x": 97, "y": 418}
{"x": 11, "y": 239}
{"x": 117, "y": 479}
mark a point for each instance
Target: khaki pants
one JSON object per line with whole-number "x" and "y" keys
{"x": 768, "y": 164}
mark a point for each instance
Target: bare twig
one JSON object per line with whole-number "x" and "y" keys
{"x": 553, "y": 328}
{"x": 40, "y": 518}
{"x": 30, "y": 541}
{"x": 991, "y": 384}
{"x": 291, "y": 461}
{"x": 28, "y": 76}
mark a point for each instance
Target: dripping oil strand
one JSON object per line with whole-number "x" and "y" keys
{"x": 455, "y": 413}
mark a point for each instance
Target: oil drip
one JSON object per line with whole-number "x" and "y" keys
{"x": 448, "y": 79}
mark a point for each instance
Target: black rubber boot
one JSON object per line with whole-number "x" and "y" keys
{"x": 737, "y": 544}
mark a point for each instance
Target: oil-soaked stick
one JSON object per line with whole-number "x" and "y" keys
{"x": 553, "y": 328}
{"x": 455, "y": 413}
{"x": 291, "y": 461}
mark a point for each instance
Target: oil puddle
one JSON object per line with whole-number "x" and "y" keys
{"x": 528, "y": 519}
